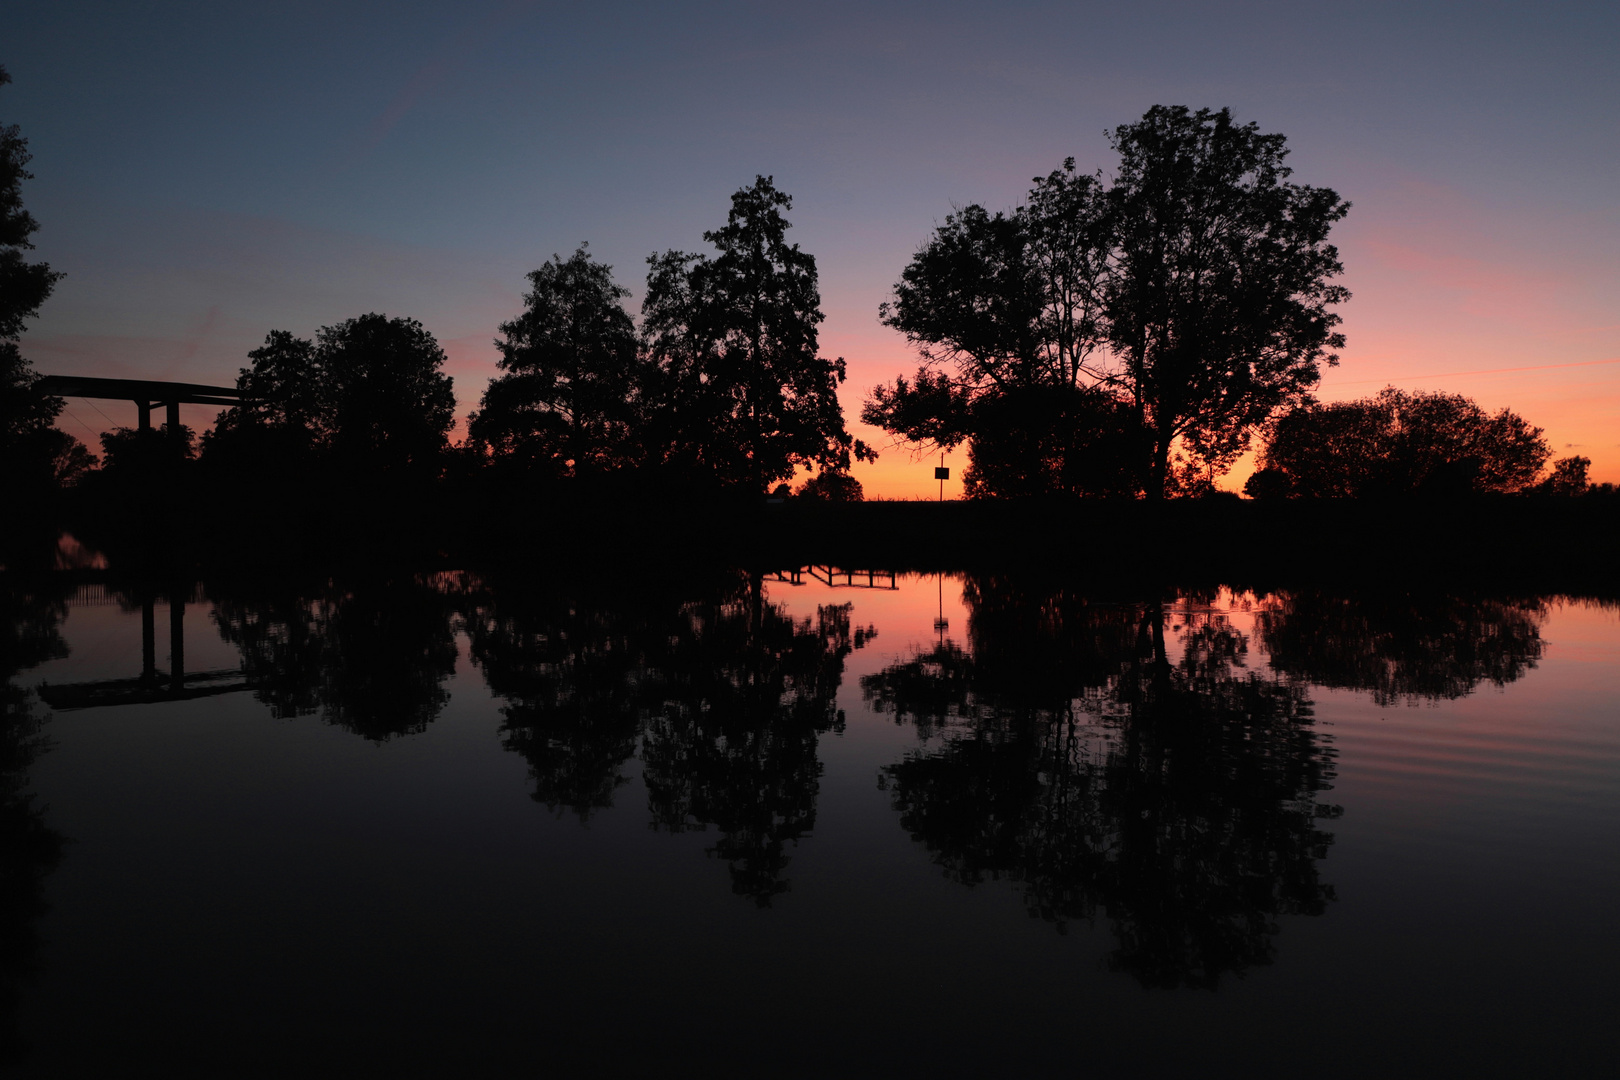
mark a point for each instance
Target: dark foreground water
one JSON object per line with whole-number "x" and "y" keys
{"x": 970, "y": 826}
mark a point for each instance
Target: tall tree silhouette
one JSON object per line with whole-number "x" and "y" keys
{"x": 37, "y": 456}
{"x": 1218, "y": 304}
{"x": 567, "y": 403}
{"x": 1159, "y": 320}
{"x": 743, "y": 398}
{"x": 1006, "y": 311}
{"x": 392, "y": 405}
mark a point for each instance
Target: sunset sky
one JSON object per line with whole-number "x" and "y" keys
{"x": 208, "y": 172}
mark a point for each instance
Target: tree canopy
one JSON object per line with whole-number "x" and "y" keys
{"x": 738, "y": 393}
{"x": 567, "y": 401}
{"x": 37, "y": 455}
{"x": 24, "y": 286}
{"x": 1218, "y": 306}
{"x": 1196, "y": 289}
{"x": 367, "y": 393}
{"x": 1398, "y": 443}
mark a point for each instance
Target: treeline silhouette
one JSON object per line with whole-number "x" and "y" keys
{"x": 1128, "y": 338}
{"x": 1117, "y": 341}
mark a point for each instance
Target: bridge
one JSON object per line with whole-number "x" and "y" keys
{"x": 145, "y": 393}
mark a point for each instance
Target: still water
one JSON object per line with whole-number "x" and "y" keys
{"x": 808, "y": 824}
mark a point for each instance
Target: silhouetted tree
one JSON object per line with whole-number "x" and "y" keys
{"x": 391, "y": 403}
{"x": 739, "y": 396}
{"x": 1052, "y": 441}
{"x": 1398, "y": 443}
{"x": 38, "y": 458}
{"x": 24, "y": 286}
{"x": 285, "y": 416}
{"x": 1566, "y": 477}
{"x": 1012, "y": 301}
{"x": 367, "y": 398}
{"x": 1218, "y": 302}
{"x": 1070, "y": 753}
{"x": 1194, "y": 290}
{"x": 146, "y": 453}
{"x": 568, "y": 402}
{"x": 830, "y": 486}
{"x": 1011, "y": 304}
{"x": 929, "y": 410}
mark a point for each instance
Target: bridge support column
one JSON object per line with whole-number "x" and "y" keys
{"x": 146, "y": 414}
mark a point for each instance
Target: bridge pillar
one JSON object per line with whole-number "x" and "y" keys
{"x": 146, "y": 414}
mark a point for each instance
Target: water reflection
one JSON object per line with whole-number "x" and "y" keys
{"x": 30, "y": 621}
{"x": 724, "y": 694}
{"x": 1118, "y": 760}
{"x": 371, "y": 658}
{"x": 1145, "y": 762}
{"x": 1400, "y": 646}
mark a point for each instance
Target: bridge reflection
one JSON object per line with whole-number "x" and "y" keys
{"x": 151, "y": 685}
{"x": 839, "y": 579}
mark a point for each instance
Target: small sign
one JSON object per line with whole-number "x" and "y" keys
{"x": 942, "y": 473}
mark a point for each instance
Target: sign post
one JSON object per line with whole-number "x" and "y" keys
{"x": 942, "y": 474}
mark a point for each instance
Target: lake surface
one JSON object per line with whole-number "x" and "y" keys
{"x": 808, "y": 824}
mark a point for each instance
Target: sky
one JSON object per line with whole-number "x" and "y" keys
{"x": 207, "y": 172}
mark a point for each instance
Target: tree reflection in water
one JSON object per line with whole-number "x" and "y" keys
{"x": 1117, "y": 767}
{"x": 573, "y": 678}
{"x": 371, "y": 659}
{"x": 1399, "y": 646}
{"x": 724, "y": 694}
{"x": 30, "y": 621}
{"x": 1125, "y": 759}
